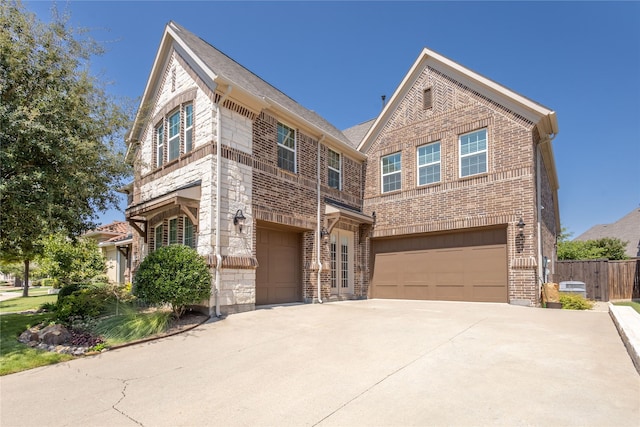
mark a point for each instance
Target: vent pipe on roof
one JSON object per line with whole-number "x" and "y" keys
{"x": 384, "y": 98}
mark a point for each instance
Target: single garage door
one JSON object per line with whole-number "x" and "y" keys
{"x": 466, "y": 266}
{"x": 278, "y": 274}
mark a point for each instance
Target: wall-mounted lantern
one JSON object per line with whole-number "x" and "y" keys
{"x": 239, "y": 219}
{"x": 324, "y": 235}
{"x": 520, "y": 226}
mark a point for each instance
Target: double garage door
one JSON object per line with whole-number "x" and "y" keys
{"x": 279, "y": 271}
{"x": 464, "y": 266}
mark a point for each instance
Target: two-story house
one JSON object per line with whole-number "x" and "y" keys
{"x": 440, "y": 197}
{"x": 267, "y": 189}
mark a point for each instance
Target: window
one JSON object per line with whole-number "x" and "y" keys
{"x": 286, "y": 148}
{"x": 344, "y": 268}
{"x": 427, "y": 99}
{"x": 189, "y": 237}
{"x": 177, "y": 129}
{"x": 158, "y": 237}
{"x": 188, "y": 128}
{"x": 334, "y": 255}
{"x": 429, "y": 163}
{"x": 173, "y": 231}
{"x": 174, "y": 136}
{"x": 473, "y": 153}
{"x": 160, "y": 145}
{"x": 334, "y": 163}
{"x": 391, "y": 173}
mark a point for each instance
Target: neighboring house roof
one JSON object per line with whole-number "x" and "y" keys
{"x": 356, "y": 133}
{"x": 218, "y": 70}
{"x": 112, "y": 233}
{"x": 626, "y": 229}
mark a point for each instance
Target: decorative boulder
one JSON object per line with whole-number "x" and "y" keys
{"x": 30, "y": 334}
{"x": 54, "y": 335}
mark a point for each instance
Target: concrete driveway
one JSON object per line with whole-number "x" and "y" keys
{"x": 375, "y": 362}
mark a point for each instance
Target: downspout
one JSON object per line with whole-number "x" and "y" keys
{"x": 546, "y": 140}
{"x": 219, "y": 194}
{"x": 319, "y": 227}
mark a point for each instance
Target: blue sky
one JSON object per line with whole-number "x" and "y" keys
{"x": 581, "y": 59}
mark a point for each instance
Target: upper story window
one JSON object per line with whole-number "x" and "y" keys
{"x": 286, "y": 148}
{"x": 160, "y": 144}
{"x": 429, "y": 163}
{"x": 174, "y": 134}
{"x": 391, "y": 167}
{"x": 188, "y": 128}
{"x": 473, "y": 153}
{"x": 334, "y": 163}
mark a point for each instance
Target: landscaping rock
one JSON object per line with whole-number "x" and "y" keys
{"x": 54, "y": 334}
{"x": 29, "y": 335}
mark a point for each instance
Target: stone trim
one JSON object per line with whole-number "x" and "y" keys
{"x": 523, "y": 263}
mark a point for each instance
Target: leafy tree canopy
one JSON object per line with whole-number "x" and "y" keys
{"x": 61, "y": 156}
{"x": 71, "y": 261}
{"x": 606, "y": 247}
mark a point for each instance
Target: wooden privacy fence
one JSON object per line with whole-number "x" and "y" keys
{"x": 605, "y": 280}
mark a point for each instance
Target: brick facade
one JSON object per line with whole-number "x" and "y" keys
{"x": 272, "y": 197}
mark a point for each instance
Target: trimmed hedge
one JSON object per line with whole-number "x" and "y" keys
{"x": 174, "y": 275}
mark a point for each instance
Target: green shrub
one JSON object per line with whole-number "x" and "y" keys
{"x": 174, "y": 275}
{"x": 76, "y": 301}
{"x": 571, "y": 301}
{"x": 52, "y": 282}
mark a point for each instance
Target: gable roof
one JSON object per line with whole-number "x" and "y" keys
{"x": 221, "y": 72}
{"x": 543, "y": 117}
{"x": 626, "y": 229}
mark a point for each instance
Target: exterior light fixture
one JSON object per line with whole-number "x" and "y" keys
{"x": 324, "y": 235}
{"x": 374, "y": 218}
{"x": 521, "y": 225}
{"x": 238, "y": 219}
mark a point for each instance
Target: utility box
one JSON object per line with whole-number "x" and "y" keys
{"x": 574, "y": 287}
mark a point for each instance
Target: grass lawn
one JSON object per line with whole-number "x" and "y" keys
{"x": 26, "y": 303}
{"x": 635, "y": 304}
{"x": 15, "y": 356}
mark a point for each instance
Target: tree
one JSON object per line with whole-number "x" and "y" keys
{"x": 606, "y": 247}
{"x": 61, "y": 156}
{"x": 71, "y": 262}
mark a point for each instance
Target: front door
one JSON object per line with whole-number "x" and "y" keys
{"x": 341, "y": 249}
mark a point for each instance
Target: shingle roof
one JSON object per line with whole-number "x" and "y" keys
{"x": 120, "y": 227}
{"x": 626, "y": 229}
{"x": 226, "y": 67}
{"x": 356, "y": 133}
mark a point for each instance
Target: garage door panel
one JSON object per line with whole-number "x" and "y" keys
{"x": 466, "y": 273}
{"x": 278, "y": 275}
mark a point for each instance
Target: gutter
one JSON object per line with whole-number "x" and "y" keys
{"x": 545, "y": 140}
{"x": 218, "y": 194}
{"x": 319, "y": 228}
